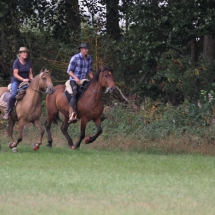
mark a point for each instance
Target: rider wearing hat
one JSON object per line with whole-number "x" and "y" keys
{"x": 22, "y": 71}
{"x": 80, "y": 66}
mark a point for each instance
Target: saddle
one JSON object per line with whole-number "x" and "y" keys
{"x": 4, "y": 98}
{"x": 81, "y": 89}
{"x": 21, "y": 90}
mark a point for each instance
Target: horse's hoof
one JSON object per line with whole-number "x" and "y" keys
{"x": 14, "y": 149}
{"x": 72, "y": 147}
{"x": 49, "y": 145}
{"x": 10, "y": 145}
{"x": 87, "y": 140}
{"x": 36, "y": 146}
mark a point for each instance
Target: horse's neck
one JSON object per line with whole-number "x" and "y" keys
{"x": 33, "y": 91}
{"x": 96, "y": 89}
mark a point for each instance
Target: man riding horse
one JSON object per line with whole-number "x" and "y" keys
{"x": 80, "y": 66}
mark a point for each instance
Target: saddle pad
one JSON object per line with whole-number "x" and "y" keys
{"x": 68, "y": 87}
{"x": 4, "y": 98}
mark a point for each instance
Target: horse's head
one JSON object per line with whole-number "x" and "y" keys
{"x": 45, "y": 81}
{"x": 107, "y": 78}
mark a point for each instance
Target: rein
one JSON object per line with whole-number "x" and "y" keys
{"x": 97, "y": 91}
{"x": 39, "y": 91}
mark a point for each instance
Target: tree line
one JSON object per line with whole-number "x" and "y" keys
{"x": 164, "y": 50}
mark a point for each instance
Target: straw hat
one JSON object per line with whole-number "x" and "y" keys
{"x": 23, "y": 49}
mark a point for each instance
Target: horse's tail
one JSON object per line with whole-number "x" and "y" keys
{"x": 57, "y": 118}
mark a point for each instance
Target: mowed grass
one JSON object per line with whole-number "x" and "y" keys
{"x": 89, "y": 181}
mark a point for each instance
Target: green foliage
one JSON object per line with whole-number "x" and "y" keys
{"x": 177, "y": 73}
{"x": 156, "y": 31}
{"x": 166, "y": 121}
{"x": 1, "y": 82}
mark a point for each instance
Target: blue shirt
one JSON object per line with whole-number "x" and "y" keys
{"x": 23, "y": 70}
{"x": 79, "y": 66}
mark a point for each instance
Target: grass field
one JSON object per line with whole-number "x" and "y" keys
{"x": 90, "y": 181}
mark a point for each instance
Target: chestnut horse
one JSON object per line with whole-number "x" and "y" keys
{"x": 29, "y": 108}
{"x": 89, "y": 107}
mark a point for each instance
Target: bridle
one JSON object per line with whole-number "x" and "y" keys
{"x": 39, "y": 91}
{"x": 105, "y": 77}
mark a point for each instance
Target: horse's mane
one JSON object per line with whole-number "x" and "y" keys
{"x": 96, "y": 76}
{"x": 35, "y": 79}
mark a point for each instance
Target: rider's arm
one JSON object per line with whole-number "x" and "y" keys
{"x": 72, "y": 65}
{"x": 74, "y": 76}
{"x": 31, "y": 74}
{"x": 15, "y": 74}
{"x": 90, "y": 75}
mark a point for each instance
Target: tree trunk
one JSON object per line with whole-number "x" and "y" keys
{"x": 112, "y": 18}
{"x": 193, "y": 49}
{"x": 72, "y": 15}
{"x": 209, "y": 48}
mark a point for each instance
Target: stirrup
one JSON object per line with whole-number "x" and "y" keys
{"x": 73, "y": 117}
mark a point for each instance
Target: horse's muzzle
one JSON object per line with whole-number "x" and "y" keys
{"x": 110, "y": 89}
{"x": 49, "y": 90}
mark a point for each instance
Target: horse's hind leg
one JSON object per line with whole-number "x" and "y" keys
{"x": 99, "y": 131}
{"x": 21, "y": 124}
{"x": 37, "y": 123}
{"x": 11, "y": 124}
{"x": 64, "y": 129}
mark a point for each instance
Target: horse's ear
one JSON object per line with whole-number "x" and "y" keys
{"x": 50, "y": 71}
{"x": 42, "y": 70}
{"x": 102, "y": 67}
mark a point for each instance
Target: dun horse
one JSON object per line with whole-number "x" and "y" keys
{"x": 29, "y": 108}
{"x": 89, "y": 107}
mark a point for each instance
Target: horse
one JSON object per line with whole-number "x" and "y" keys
{"x": 89, "y": 107}
{"x": 2, "y": 90}
{"x": 29, "y": 108}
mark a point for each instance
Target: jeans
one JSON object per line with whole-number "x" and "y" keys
{"x": 12, "y": 100}
{"x": 14, "y": 87}
{"x": 74, "y": 96}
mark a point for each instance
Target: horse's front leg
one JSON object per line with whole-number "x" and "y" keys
{"x": 37, "y": 123}
{"x": 82, "y": 134}
{"x": 90, "y": 139}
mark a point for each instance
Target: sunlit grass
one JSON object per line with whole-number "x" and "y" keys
{"x": 89, "y": 181}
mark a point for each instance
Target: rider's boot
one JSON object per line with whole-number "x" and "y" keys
{"x": 72, "y": 111}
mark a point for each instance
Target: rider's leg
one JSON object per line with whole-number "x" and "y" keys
{"x": 12, "y": 100}
{"x": 72, "y": 109}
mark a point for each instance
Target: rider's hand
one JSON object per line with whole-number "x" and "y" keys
{"x": 25, "y": 79}
{"x": 77, "y": 81}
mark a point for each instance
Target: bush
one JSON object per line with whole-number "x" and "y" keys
{"x": 177, "y": 121}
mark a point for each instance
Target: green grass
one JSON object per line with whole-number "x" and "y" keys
{"x": 89, "y": 181}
